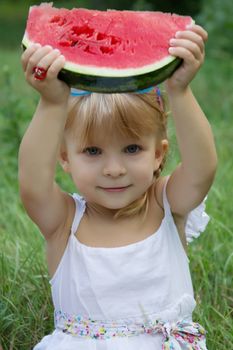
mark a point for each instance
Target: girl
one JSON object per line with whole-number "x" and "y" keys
{"x": 117, "y": 253}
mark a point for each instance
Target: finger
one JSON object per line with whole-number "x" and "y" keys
{"x": 55, "y": 67}
{"x": 185, "y": 54}
{"x": 36, "y": 57}
{"x": 28, "y": 53}
{"x": 189, "y": 45}
{"x": 198, "y": 30}
{"x": 48, "y": 59}
{"x": 192, "y": 37}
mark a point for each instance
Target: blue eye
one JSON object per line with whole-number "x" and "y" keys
{"x": 92, "y": 151}
{"x": 133, "y": 149}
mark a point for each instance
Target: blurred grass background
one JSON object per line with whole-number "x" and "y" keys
{"x": 26, "y": 312}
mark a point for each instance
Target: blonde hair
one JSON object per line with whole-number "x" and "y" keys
{"x": 129, "y": 114}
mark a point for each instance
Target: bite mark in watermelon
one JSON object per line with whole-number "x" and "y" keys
{"x": 107, "y": 51}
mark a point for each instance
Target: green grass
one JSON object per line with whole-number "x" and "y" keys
{"x": 26, "y": 312}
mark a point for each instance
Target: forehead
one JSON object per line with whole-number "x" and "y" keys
{"x": 116, "y": 137}
{"x": 98, "y": 118}
{"x": 109, "y": 134}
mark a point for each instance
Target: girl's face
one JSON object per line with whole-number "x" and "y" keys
{"x": 113, "y": 170}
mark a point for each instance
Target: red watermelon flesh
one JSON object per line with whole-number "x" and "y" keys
{"x": 106, "y": 43}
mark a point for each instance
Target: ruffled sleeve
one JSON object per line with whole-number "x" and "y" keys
{"x": 196, "y": 222}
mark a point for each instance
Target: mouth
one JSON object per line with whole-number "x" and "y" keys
{"x": 115, "y": 189}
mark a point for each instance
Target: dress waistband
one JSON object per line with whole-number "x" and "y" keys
{"x": 175, "y": 334}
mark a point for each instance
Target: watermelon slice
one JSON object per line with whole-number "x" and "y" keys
{"x": 107, "y": 51}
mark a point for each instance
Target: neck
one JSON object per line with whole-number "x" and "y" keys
{"x": 97, "y": 211}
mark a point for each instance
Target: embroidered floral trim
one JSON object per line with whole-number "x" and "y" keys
{"x": 175, "y": 334}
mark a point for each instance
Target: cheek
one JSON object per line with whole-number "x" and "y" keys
{"x": 144, "y": 171}
{"x": 83, "y": 172}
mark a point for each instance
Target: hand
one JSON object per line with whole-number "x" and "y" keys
{"x": 188, "y": 45}
{"x": 51, "y": 89}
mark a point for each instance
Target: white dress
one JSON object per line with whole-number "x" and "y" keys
{"x": 135, "y": 297}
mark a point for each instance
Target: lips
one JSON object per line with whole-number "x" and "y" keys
{"x": 115, "y": 189}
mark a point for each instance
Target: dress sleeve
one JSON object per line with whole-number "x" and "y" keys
{"x": 196, "y": 222}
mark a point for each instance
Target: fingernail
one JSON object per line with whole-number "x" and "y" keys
{"x": 172, "y": 41}
{"x": 171, "y": 50}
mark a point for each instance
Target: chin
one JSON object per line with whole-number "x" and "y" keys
{"x": 116, "y": 206}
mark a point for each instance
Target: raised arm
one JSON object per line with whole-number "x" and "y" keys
{"x": 191, "y": 180}
{"x": 45, "y": 203}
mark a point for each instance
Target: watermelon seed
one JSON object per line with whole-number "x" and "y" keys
{"x": 73, "y": 43}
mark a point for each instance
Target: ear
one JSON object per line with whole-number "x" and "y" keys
{"x": 160, "y": 152}
{"x": 64, "y": 160}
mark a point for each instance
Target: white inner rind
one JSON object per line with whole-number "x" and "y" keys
{"x": 110, "y": 72}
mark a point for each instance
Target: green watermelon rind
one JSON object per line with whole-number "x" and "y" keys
{"x": 99, "y": 79}
{"x": 118, "y": 84}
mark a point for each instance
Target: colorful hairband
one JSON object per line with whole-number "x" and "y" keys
{"x": 159, "y": 97}
{"x": 76, "y": 92}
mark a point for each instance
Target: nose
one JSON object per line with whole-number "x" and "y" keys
{"x": 114, "y": 168}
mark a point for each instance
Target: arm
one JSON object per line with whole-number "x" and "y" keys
{"x": 45, "y": 203}
{"x": 191, "y": 180}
